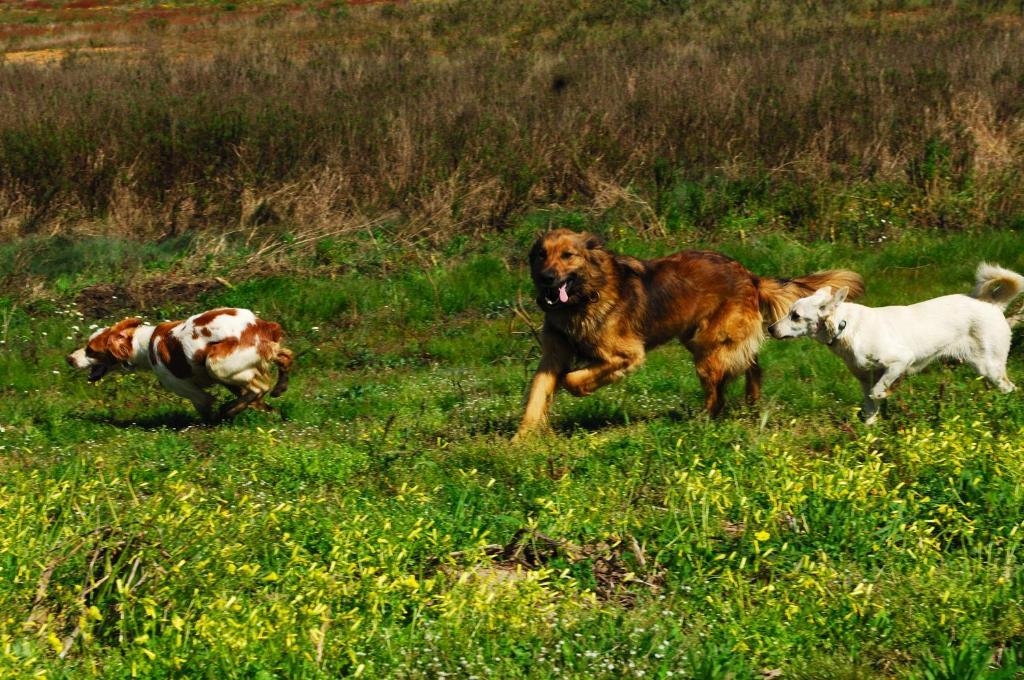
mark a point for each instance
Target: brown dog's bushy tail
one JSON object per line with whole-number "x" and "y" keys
{"x": 778, "y": 295}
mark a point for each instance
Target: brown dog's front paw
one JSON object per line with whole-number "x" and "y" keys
{"x": 528, "y": 432}
{"x": 575, "y": 386}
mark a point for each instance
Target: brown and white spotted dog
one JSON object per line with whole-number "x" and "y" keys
{"x": 227, "y": 346}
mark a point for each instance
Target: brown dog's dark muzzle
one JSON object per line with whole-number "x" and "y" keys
{"x": 547, "y": 278}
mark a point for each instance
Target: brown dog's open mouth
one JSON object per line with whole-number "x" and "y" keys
{"x": 97, "y": 372}
{"x": 558, "y": 295}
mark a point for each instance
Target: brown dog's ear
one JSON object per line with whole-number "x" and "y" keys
{"x": 592, "y": 242}
{"x": 536, "y": 248}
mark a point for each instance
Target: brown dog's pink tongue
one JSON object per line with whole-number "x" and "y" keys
{"x": 563, "y": 295}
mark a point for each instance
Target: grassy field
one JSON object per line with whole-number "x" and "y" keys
{"x": 371, "y": 176}
{"x": 383, "y": 525}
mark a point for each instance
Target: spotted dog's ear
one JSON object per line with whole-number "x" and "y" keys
{"x": 119, "y": 343}
{"x": 120, "y": 346}
{"x": 126, "y": 324}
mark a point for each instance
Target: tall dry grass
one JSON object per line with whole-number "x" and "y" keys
{"x": 458, "y": 117}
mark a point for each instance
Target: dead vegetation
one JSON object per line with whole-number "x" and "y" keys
{"x": 457, "y": 117}
{"x": 613, "y": 578}
{"x": 104, "y": 561}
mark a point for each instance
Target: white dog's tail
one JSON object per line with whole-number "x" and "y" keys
{"x": 998, "y": 286}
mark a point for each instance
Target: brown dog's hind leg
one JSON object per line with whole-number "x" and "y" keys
{"x": 754, "y": 382}
{"x": 715, "y": 377}
{"x": 714, "y": 380}
{"x": 723, "y": 384}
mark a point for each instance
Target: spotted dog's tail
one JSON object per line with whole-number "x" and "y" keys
{"x": 271, "y": 336}
{"x": 283, "y": 359}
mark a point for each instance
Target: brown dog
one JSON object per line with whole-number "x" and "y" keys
{"x": 603, "y": 312}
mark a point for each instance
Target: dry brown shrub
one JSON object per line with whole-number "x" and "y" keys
{"x": 459, "y": 117}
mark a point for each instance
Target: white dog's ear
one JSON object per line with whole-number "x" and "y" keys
{"x": 833, "y": 303}
{"x": 823, "y": 296}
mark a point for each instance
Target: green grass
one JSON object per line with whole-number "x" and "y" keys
{"x": 346, "y": 534}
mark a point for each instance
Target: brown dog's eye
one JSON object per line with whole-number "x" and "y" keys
{"x": 566, "y": 256}
{"x": 794, "y": 316}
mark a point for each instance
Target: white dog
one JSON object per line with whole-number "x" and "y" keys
{"x": 881, "y": 344}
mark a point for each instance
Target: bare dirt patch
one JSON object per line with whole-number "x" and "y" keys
{"x": 104, "y": 300}
{"x": 57, "y": 54}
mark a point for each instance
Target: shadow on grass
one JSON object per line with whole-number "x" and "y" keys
{"x": 178, "y": 420}
{"x": 601, "y": 420}
{"x": 172, "y": 421}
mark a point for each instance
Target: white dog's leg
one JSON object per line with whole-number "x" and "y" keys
{"x": 891, "y": 375}
{"x": 869, "y": 407}
{"x": 994, "y": 369}
{"x": 991, "y": 363}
